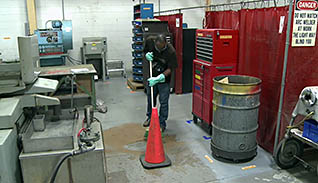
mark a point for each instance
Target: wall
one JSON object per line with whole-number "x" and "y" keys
{"x": 110, "y": 18}
{"x": 12, "y": 19}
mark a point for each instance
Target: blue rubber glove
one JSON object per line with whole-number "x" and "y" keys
{"x": 154, "y": 80}
{"x": 149, "y": 56}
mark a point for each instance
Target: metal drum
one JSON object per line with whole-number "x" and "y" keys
{"x": 235, "y": 117}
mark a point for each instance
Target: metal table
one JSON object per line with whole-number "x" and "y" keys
{"x": 84, "y": 78}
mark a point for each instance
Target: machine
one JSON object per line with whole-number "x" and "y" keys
{"x": 216, "y": 55}
{"x": 19, "y": 88}
{"x": 94, "y": 52}
{"x": 304, "y": 132}
{"x": 70, "y": 148}
{"x": 54, "y": 42}
{"x": 36, "y": 136}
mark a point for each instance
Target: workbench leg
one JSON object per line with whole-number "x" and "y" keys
{"x": 93, "y": 92}
{"x": 104, "y": 67}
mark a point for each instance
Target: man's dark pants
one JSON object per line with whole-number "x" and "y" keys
{"x": 163, "y": 89}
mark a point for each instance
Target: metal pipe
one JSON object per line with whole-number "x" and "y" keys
{"x": 210, "y": 6}
{"x": 282, "y": 89}
{"x": 47, "y": 23}
{"x": 159, "y": 7}
{"x": 89, "y": 115}
{"x": 72, "y": 92}
{"x": 63, "y": 10}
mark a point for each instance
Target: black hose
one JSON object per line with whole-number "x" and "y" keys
{"x": 72, "y": 60}
{"x": 58, "y": 165}
{"x": 97, "y": 119}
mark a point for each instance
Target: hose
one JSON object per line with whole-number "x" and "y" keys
{"x": 73, "y": 153}
{"x": 72, "y": 60}
{"x": 58, "y": 165}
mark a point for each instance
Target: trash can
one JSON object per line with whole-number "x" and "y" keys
{"x": 236, "y": 100}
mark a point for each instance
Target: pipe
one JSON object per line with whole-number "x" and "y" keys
{"x": 89, "y": 115}
{"x": 72, "y": 92}
{"x": 47, "y": 23}
{"x": 282, "y": 89}
{"x": 159, "y": 7}
{"x": 210, "y": 6}
{"x": 31, "y": 15}
{"x": 63, "y": 10}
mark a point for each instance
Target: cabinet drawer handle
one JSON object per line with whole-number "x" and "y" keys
{"x": 226, "y": 67}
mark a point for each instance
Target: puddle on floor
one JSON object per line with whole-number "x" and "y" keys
{"x": 121, "y": 139}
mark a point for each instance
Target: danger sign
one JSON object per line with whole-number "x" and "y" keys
{"x": 305, "y": 23}
{"x": 306, "y": 5}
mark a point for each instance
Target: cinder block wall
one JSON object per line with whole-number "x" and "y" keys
{"x": 12, "y": 18}
{"x": 110, "y": 18}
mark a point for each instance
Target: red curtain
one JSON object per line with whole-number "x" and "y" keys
{"x": 261, "y": 54}
{"x": 222, "y": 19}
{"x": 177, "y": 32}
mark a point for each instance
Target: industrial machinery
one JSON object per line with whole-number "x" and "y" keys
{"x": 54, "y": 42}
{"x": 216, "y": 55}
{"x": 35, "y": 132}
{"x": 19, "y": 88}
{"x": 94, "y": 52}
{"x": 304, "y": 132}
{"x": 69, "y": 149}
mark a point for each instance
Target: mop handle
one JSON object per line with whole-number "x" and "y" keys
{"x": 151, "y": 88}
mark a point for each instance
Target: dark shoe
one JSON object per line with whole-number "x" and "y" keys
{"x": 163, "y": 129}
{"x": 147, "y": 123}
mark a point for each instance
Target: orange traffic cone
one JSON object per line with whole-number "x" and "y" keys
{"x": 155, "y": 156}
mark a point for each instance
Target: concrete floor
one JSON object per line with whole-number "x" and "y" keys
{"x": 184, "y": 143}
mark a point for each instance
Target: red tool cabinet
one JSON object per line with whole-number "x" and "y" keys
{"x": 216, "y": 54}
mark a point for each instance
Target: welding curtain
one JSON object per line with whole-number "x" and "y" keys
{"x": 261, "y": 54}
{"x": 175, "y": 27}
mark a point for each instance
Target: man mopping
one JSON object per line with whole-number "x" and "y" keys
{"x": 164, "y": 61}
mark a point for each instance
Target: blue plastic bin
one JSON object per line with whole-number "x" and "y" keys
{"x": 137, "y": 31}
{"x": 137, "y": 47}
{"x": 311, "y": 130}
{"x": 137, "y": 54}
{"x": 138, "y": 39}
{"x": 136, "y": 23}
{"x": 137, "y": 62}
{"x": 137, "y": 70}
{"x": 138, "y": 78}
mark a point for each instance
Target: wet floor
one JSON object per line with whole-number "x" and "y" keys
{"x": 186, "y": 144}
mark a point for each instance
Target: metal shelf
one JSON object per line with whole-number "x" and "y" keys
{"x": 298, "y": 134}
